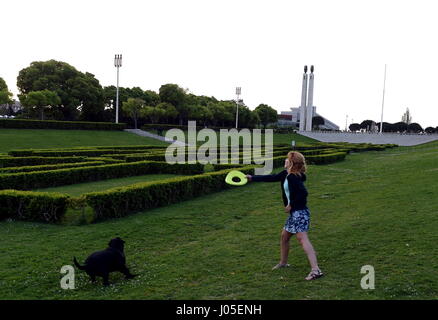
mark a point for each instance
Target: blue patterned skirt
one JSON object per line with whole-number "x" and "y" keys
{"x": 298, "y": 221}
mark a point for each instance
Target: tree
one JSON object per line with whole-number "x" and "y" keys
{"x": 387, "y": 127}
{"x": 39, "y": 101}
{"x": 266, "y": 114}
{"x": 415, "y": 127}
{"x": 154, "y": 114}
{"x": 222, "y": 114}
{"x": 200, "y": 113}
{"x": 134, "y": 108}
{"x": 367, "y": 125}
{"x": 176, "y": 96}
{"x": 400, "y": 127}
{"x": 5, "y": 94}
{"x": 169, "y": 112}
{"x": 354, "y": 127}
{"x": 80, "y": 93}
{"x": 317, "y": 121}
{"x": 151, "y": 98}
{"x": 247, "y": 118}
{"x": 430, "y": 130}
{"x": 91, "y": 95}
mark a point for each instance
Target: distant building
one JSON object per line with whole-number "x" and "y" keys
{"x": 15, "y": 106}
{"x": 292, "y": 118}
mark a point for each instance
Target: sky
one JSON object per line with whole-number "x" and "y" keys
{"x": 212, "y": 46}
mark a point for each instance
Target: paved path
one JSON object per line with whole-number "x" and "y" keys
{"x": 154, "y": 136}
{"x": 375, "y": 138}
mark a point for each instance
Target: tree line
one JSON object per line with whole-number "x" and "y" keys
{"x": 55, "y": 90}
{"x": 398, "y": 127}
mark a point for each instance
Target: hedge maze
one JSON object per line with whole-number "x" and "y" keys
{"x": 22, "y": 171}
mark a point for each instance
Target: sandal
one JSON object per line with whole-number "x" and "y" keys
{"x": 314, "y": 274}
{"x": 281, "y": 265}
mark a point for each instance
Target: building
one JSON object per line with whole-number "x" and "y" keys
{"x": 292, "y": 118}
{"x": 15, "y": 106}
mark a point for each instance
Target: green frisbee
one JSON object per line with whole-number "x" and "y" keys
{"x": 236, "y": 175}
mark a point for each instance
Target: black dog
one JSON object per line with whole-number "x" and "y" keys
{"x": 101, "y": 263}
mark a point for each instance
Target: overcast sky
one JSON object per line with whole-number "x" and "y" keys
{"x": 210, "y": 47}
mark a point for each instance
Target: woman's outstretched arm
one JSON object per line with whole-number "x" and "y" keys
{"x": 268, "y": 178}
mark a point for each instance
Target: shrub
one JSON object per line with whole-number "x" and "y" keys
{"x": 165, "y": 127}
{"x": 52, "y": 178}
{"x": 33, "y": 206}
{"x": 35, "y": 161}
{"x": 107, "y": 160}
{"x": 326, "y": 158}
{"x": 69, "y": 153}
{"x": 50, "y": 167}
{"x": 52, "y": 124}
{"x": 224, "y": 166}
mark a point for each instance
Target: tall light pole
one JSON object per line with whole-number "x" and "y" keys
{"x": 383, "y": 101}
{"x": 117, "y": 64}
{"x": 238, "y": 92}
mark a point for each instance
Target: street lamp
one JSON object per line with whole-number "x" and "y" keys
{"x": 238, "y": 92}
{"x": 117, "y": 64}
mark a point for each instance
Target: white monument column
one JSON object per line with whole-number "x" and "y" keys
{"x": 309, "y": 111}
{"x": 303, "y": 101}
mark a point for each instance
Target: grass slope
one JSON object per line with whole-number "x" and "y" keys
{"x": 374, "y": 208}
{"x": 38, "y": 138}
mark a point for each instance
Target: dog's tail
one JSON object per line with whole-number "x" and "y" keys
{"x": 77, "y": 264}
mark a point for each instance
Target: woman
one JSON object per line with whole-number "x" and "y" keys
{"x": 295, "y": 200}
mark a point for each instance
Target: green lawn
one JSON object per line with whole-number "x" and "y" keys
{"x": 81, "y": 188}
{"x": 374, "y": 208}
{"x": 39, "y": 138}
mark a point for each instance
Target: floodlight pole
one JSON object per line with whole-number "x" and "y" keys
{"x": 383, "y": 101}
{"x": 117, "y": 64}
{"x": 238, "y": 92}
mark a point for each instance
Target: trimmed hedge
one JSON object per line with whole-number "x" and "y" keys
{"x": 107, "y": 160}
{"x": 35, "y": 161}
{"x": 165, "y": 127}
{"x": 140, "y": 147}
{"x": 50, "y": 167}
{"x": 326, "y": 158}
{"x": 52, "y": 124}
{"x": 53, "y": 178}
{"x": 224, "y": 166}
{"x": 33, "y": 206}
{"x": 70, "y": 153}
{"x": 118, "y": 202}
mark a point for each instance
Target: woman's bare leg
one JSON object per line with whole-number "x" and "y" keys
{"x": 308, "y": 249}
{"x": 284, "y": 246}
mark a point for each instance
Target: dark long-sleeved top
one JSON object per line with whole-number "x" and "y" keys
{"x": 297, "y": 191}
